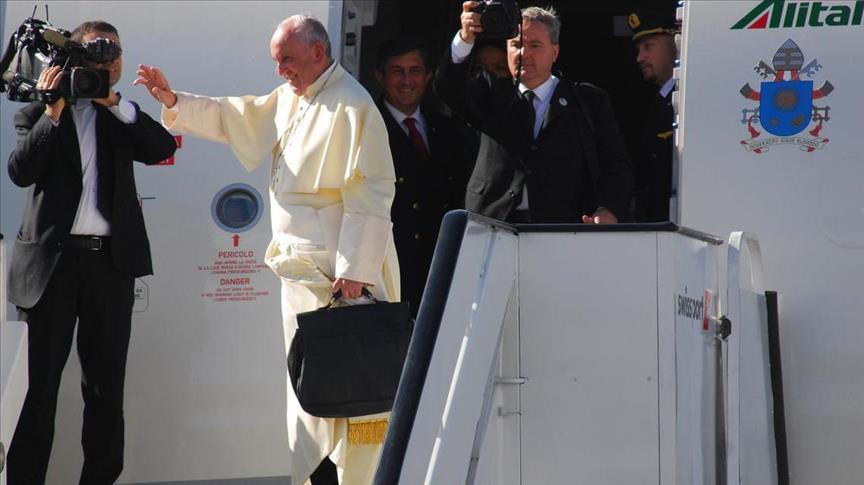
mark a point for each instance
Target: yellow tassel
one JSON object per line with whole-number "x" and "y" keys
{"x": 367, "y": 432}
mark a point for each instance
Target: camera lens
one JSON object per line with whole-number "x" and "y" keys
{"x": 89, "y": 83}
{"x": 86, "y": 82}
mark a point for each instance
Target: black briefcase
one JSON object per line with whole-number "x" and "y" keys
{"x": 347, "y": 361}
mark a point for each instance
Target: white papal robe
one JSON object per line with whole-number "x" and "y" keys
{"x": 331, "y": 187}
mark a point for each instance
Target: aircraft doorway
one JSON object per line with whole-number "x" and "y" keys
{"x": 595, "y": 46}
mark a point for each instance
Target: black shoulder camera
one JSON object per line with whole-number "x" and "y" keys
{"x": 37, "y": 45}
{"x": 500, "y": 18}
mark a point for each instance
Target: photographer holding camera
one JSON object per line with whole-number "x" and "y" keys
{"x": 81, "y": 245}
{"x": 550, "y": 150}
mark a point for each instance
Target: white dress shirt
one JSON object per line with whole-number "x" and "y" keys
{"x": 88, "y": 220}
{"x": 542, "y": 97}
{"x": 420, "y": 121}
{"x": 667, "y": 86}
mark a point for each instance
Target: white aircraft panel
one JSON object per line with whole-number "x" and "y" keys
{"x": 442, "y": 436}
{"x": 499, "y": 458}
{"x": 589, "y": 353}
{"x": 806, "y": 206}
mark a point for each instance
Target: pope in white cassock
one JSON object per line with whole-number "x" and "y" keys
{"x": 331, "y": 187}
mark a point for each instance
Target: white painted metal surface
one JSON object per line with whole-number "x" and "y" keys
{"x": 13, "y": 366}
{"x": 442, "y": 438}
{"x": 688, "y": 274}
{"x": 620, "y": 373}
{"x": 589, "y": 352}
{"x": 13, "y": 380}
{"x": 750, "y": 411}
{"x": 606, "y": 372}
{"x": 806, "y": 207}
{"x": 498, "y": 460}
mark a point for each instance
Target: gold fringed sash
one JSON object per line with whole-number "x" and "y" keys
{"x": 367, "y": 432}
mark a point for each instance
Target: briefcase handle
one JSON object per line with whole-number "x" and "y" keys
{"x": 365, "y": 292}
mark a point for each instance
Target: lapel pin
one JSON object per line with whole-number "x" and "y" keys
{"x": 562, "y": 101}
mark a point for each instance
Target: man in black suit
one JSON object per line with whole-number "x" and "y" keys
{"x": 429, "y": 155}
{"x": 81, "y": 244}
{"x": 490, "y": 56}
{"x": 551, "y": 150}
{"x": 654, "y": 39}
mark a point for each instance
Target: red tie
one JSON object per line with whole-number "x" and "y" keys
{"x": 414, "y": 135}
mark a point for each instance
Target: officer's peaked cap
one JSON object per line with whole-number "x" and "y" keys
{"x": 649, "y": 22}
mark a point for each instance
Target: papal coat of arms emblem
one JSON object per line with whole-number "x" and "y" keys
{"x": 786, "y": 103}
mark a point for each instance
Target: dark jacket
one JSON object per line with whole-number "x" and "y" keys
{"x": 654, "y": 163}
{"x": 426, "y": 189}
{"x": 577, "y": 163}
{"x": 47, "y": 159}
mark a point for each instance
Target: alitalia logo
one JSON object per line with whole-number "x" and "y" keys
{"x": 775, "y": 14}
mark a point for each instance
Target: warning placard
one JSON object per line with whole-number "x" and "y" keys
{"x": 234, "y": 276}
{"x": 142, "y": 296}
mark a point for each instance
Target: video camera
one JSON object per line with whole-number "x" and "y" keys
{"x": 500, "y": 18}
{"x": 37, "y": 45}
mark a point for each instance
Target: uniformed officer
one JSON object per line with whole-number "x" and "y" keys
{"x": 429, "y": 155}
{"x": 654, "y": 39}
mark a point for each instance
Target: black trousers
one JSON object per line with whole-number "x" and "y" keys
{"x": 84, "y": 288}
{"x": 325, "y": 474}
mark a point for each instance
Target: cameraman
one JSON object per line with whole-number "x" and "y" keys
{"x": 81, "y": 245}
{"x": 551, "y": 150}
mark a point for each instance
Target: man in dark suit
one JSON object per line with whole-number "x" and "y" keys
{"x": 81, "y": 244}
{"x": 429, "y": 155}
{"x": 491, "y": 56}
{"x": 551, "y": 150}
{"x": 654, "y": 39}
